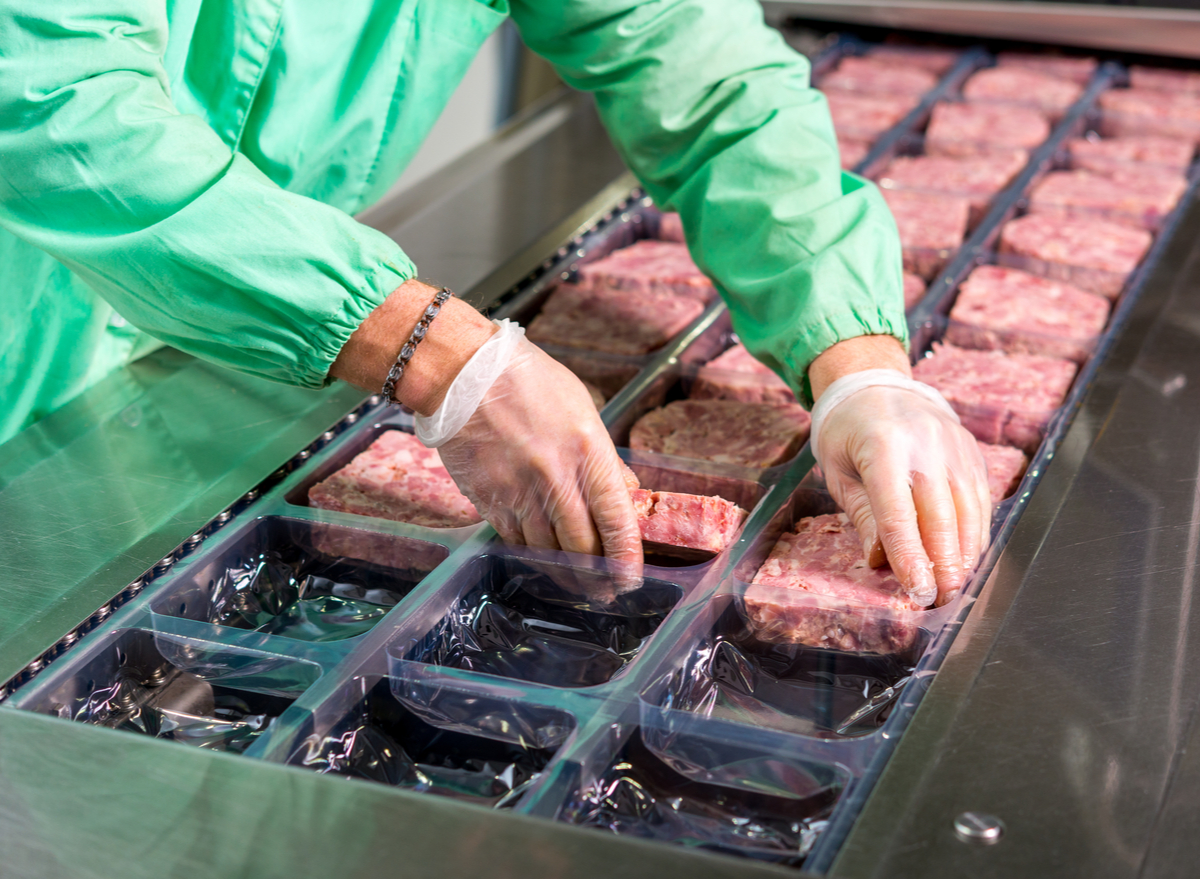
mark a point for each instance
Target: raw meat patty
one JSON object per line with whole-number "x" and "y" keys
{"x": 1003, "y": 309}
{"x": 976, "y": 178}
{"x": 1091, "y": 254}
{"x": 1005, "y": 466}
{"x": 725, "y": 431}
{"x": 1136, "y": 196}
{"x": 1164, "y": 79}
{"x": 852, "y": 152}
{"x": 1141, "y": 111}
{"x": 651, "y": 267}
{"x": 932, "y": 227}
{"x": 693, "y": 521}
{"x": 1120, "y": 153}
{"x": 614, "y": 321}
{"x": 815, "y": 588}
{"x": 978, "y": 129}
{"x": 935, "y": 61}
{"x": 1077, "y": 70}
{"x": 865, "y": 117}
{"x": 396, "y": 478}
{"x": 597, "y": 395}
{"x": 878, "y": 76}
{"x": 1020, "y": 86}
{"x": 1001, "y": 398}
{"x": 736, "y": 375}
{"x": 914, "y": 289}
{"x": 670, "y": 228}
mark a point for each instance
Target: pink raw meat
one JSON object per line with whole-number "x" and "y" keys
{"x": 736, "y": 375}
{"x": 815, "y": 588}
{"x": 852, "y": 151}
{"x": 1120, "y": 153}
{"x": 670, "y": 228}
{"x": 396, "y": 478}
{"x": 1135, "y": 196}
{"x": 1010, "y": 310}
{"x": 1001, "y": 398}
{"x": 865, "y": 117}
{"x": 1022, "y": 87}
{"x": 1164, "y": 79}
{"x": 914, "y": 289}
{"x": 1091, "y": 254}
{"x": 724, "y": 431}
{"x": 1077, "y": 70}
{"x": 610, "y": 320}
{"x": 976, "y": 178}
{"x": 1142, "y": 111}
{"x": 878, "y": 76}
{"x": 1005, "y": 467}
{"x": 935, "y": 61}
{"x": 978, "y": 129}
{"x": 650, "y": 267}
{"x": 687, "y": 520}
{"x": 932, "y": 227}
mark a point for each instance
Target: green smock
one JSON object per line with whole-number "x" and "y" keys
{"x": 185, "y": 171}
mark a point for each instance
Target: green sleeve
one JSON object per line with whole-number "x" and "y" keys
{"x": 715, "y": 115}
{"x": 182, "y": 235}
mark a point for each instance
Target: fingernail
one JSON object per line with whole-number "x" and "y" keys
{"x": 924, "y": 593}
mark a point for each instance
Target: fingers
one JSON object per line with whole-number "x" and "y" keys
{"x": 572, "y": 522}
{"x": 616, "y": 521}
{"x": 893, "y": 507}
{"x": 938, "y": 522}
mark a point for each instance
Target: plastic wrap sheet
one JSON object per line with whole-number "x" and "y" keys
{"x": 381, "y": 740}
{"x": 710, "y": 795}
{"x": 547, "y": 625}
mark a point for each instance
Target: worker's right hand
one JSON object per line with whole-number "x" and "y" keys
{"x": 539, "y": 465}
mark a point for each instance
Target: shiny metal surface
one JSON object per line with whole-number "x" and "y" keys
{"x": 1063, "y": 706}
{"x": 1154, "y": 31}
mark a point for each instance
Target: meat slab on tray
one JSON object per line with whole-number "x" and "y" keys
{"x": 1005, "y": 309}
{"x": 1164, "y": 79}
{"x": 978, "y": 129}
{"x": 865, "y": 117}
{"x": 976, "y": 178}
{"x": 1094, "y": 255}
{"x": 872, "y": 75}
{"x": 935, "y": 61}
{"x": 852, "y": 151}
{"x": 815, "y": 588}
{"x": 1108, "y": 154}
{"x": 649, "y": 267}
{"x": 736, "y": 375}
{"x": 914, "y": 289}
{"x": 756, "y": 435}
{"x": 612, "y": 320}
{"x": 1143, "y": 111}
{"x": 932, "y": 226}
{"x": 1077, "y": 70}
{"x": 1005, "y": 467}
{"x": 1006, "y": 399}
{"x": 695, "y": 522}
{"x": 1134, "y": 196}
{"x": 1023, "y": 87}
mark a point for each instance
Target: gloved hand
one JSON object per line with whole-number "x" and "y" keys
{"x": 910, "y": 478}
{"x": 522, "y": 438}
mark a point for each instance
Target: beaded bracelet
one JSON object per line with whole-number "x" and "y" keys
{"x": 410, "y": 347}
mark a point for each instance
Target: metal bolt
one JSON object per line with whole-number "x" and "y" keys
{"x": 978, "y": 827}
{"x": 303, "y": 455}
{"x": 351, "y": 418}
{"x": 327, "y": 436}
{"x": 375, "y": 399}
{"x": 251, "y": 495}
{"x": 223, "y": 517}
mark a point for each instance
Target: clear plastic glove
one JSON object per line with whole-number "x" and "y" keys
{"x": 533, "y": 456}
{"x": 911, "y": 479}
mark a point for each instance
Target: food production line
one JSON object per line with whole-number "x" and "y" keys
{"x": 1039, "y": 725}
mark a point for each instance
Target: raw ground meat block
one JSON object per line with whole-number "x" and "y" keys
{"x": 691, "y": 521}
{"x": 1093, "y": 255}
{"x": 1106, "y": 155}
{"x": 1022, "y": 87}
{"x": 935, "y": 61}
{"x": 865, "y": 117}
{"x": 1077, "y": 70}
{"x": 1164, "y": 79}
{"x": 815, "y": 588}
{"x": 914, "y": 289}
{"x": 736, "y": 375}
{"x": 957, "y": 129}
{"x": 1005, "y": 467}
{"x": 598, "y": 399}
{"x": 387, "y": 550}
{"x": 1135, "y": 196}
{"x": 396, "y": 478}
{"x": 976, "y": 178}
{"x": 932, "y": 227}
{"x": 611, "y": 320}
{"x": 652, "y": 267}
{"x": 1005, "y": 399}
{"x": 670, "y": 228}
{"x": 1146, "y": 111}
{"x": 1003, "y": 309}
{"x": 878, "y": 77}
{"x": 756, "y": 435}
{"x": 852, "y": 152}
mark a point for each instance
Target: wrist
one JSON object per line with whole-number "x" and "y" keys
{"x": 855, "y": 355}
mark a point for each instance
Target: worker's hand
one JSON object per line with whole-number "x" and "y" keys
{"x": 912, "y": 481}
{"x": 538, "y": 464}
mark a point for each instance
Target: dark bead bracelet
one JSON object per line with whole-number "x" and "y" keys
{"x": 410, "y": 347}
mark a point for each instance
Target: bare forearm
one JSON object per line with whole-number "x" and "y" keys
{"x": 854, "y": 355}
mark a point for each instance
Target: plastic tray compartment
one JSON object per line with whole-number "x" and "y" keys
{"x": 485, "y": 749}
{"x": 199, "y": 693}
{"x": 684, "y": 780}
{"x": 511, "y": 613}
{"x": 308, "y": 581}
